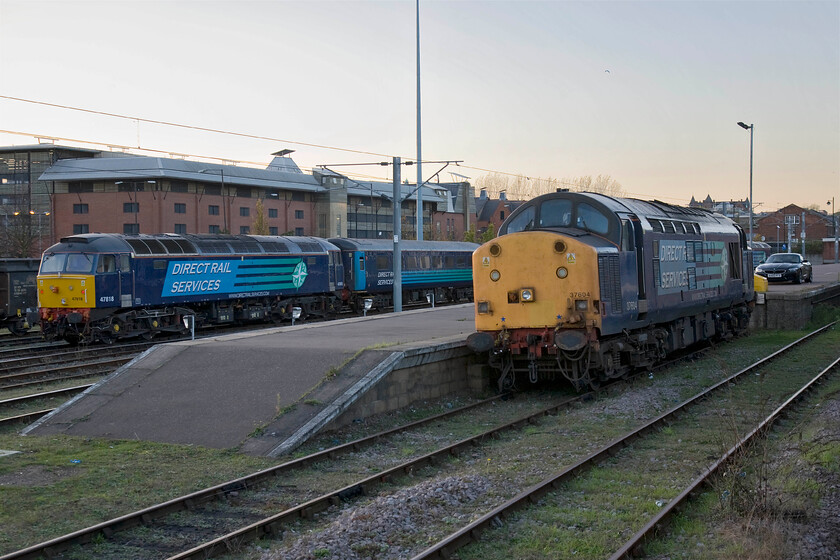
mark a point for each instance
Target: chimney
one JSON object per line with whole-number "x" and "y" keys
{"x": 483, "y": 194}
{"x": 502, "y": 195}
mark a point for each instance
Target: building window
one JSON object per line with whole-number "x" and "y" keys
{"x": 81, "y": 228}
{"x": 131, "y": 228}
{"x": 131, "y": 207}
{"x": 131, "y": 186}
{"x": 213, "y": 210}
{"x": 244, "y": 211}
{"x": 180, "y": 228}
{"x": 178, "y": 186}
{"x": 298, "y": 214}
{"x": 298, "y": 231}
{"x": 214, "y": 229}
{"x": 80, "y": 208}
{"x": 272, "y": 230}
{"x": 213, "y": 189}
{"x": 243, "y": 192}
{"x": 244, "y": 230}
{"x": 502, "y": 215}
{"x": 298, "y": 197}
{"x": 272, "y": 212}
{"x": 79, "y": 187}
{"x": 180, "y": 208}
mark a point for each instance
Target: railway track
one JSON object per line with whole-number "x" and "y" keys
{"x": 228, "y": 506}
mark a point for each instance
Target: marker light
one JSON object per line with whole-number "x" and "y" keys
{"x": 562, "y": 272}
{"x": 495, "y": 275}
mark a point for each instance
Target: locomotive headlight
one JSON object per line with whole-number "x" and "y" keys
{"x": 562, "y": 272}
{"x": 526, "y": 295}
{"x": 483, "y": 307}
{"x": 495, "y": 275}
{"x": 581, "y": 304}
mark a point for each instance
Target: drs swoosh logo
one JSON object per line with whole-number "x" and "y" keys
{"x": 299, "y": 275}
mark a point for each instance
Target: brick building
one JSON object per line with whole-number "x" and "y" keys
{"x": 48, "y": 192}
{"x": 786, "y": 224}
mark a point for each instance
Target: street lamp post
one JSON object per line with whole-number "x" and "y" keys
{"x": 834, "y": 225}
{"x": 751, "y": 128}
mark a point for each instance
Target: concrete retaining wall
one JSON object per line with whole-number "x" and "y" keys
{"x": 419, "y": 377}
{"x": 791, "y": 310}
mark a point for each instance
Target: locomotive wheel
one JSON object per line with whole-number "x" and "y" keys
{"x": 17, "y": 329}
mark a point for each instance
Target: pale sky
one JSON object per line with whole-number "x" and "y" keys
{"x": 510, "y": 86}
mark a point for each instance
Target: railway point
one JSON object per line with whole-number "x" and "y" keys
{"x": 266, "y": 392}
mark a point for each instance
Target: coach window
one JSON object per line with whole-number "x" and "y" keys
{"x": 383, "y": 262}
{"x": 125, "y": 263}
{"x": 107, "y": 263}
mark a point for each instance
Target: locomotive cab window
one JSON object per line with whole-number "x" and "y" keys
{"x": 556, "y": 213}
{"x": 107, "y": 263}
{"x": 591, "y": 219}
{"x": 53, "y": 263}
{"x": 125, "y": 263}
{"x": 523, "y": 221}
{"x": 79, "y": 263}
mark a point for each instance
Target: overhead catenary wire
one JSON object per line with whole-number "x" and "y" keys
{"x": 245, "y": 135}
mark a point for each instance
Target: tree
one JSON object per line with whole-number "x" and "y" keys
{"x": 489, "y": 233}
{"x": 17, "y": 239}
{"x": 518, "y": 187}
{"x": 260, "y": 225}
{"x": 469, "y": 235}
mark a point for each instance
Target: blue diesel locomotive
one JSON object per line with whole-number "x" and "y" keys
{"x": 109, "y": 286}
{"x": 591, "y": 286}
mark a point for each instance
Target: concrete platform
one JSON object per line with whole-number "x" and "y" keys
{"x": 256, "y": 391}
{"x": 790, "y": 306}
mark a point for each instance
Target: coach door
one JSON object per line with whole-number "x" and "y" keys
{"x": 126, "y": 280}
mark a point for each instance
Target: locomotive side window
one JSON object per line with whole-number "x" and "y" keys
{"x": 523, "y": 221}
{"x": 556, "y": 213}
{"x": 627, "y": 243}
{"x": 107, "y": 263}
{"x": 79, "y": 263}
{"x": 591, "y": 219}
{"x": 125, "y": 263}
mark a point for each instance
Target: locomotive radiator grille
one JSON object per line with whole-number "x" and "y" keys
{"x": 609, "y": 281}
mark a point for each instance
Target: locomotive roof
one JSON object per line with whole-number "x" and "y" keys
{"x": 642, "y": 208}
{"x": 408, "y": 245}
{"x": 191, "y": 244}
